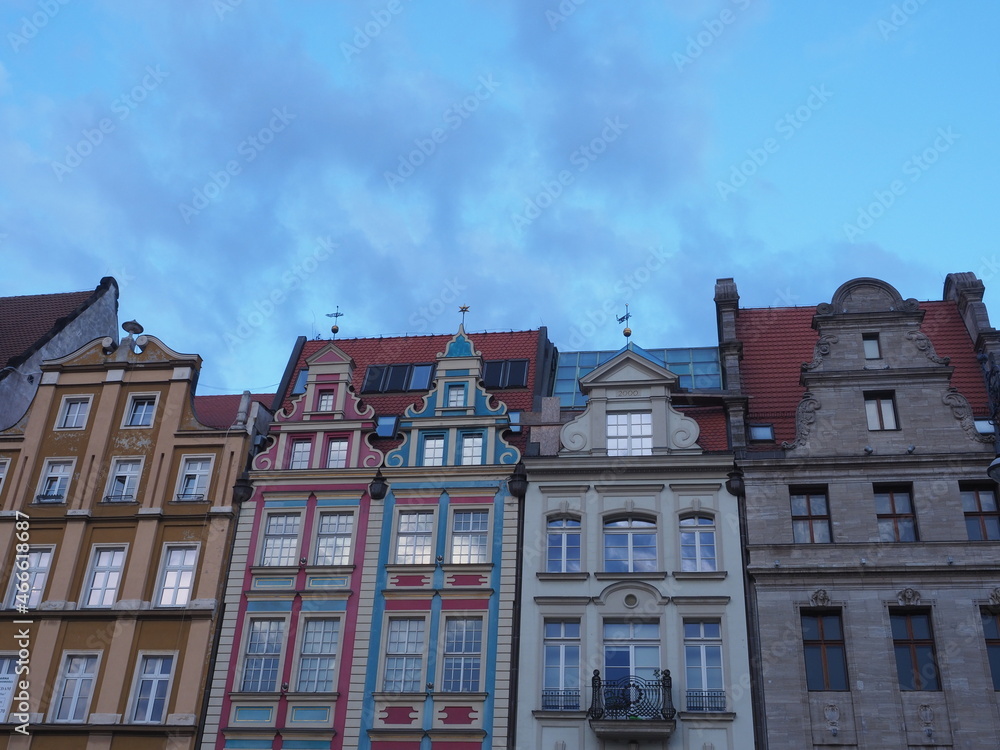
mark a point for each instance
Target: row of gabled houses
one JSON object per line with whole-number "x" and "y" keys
{"x": 785, "y": 540}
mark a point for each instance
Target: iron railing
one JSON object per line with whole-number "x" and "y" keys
{"x": 706, "y": 700}
{"x": 561, "y": 700}
{"x": 633, "y": 698}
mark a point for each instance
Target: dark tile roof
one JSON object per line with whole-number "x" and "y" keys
{"x": 28, "y": 320}
{"x": 220, "y": 411}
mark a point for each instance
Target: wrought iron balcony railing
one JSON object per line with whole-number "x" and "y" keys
{"x": 633, "y": 698}
{"x": 561, "y": 700}
{"x": 706, "y": 700}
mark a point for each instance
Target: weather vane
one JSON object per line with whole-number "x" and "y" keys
{"x": 624, "y": 319}
{"x": 463, "y": 309}
{"x": 334, "y": 329}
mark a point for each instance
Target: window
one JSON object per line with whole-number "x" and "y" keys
{"x": 703, "y": 665}
{"x": 825, "y": 653}
{"x": 387, "y": 426}
{"x": 76, "y": 685}
{"x": 698, "y": 543}
{"x": 810, "y": 516}
{"x": 468, "y": 536}
{"x": 894, "y": 508}
{"x": 382, "y": 378}
{"x": 505, "y": 373}
{"x": 871, "y": 345}
{"x": 177, "y": 578}
{"x": 463, "y": 649}
{"x": 55, "y": 481}
{"x": 472, "y": 450}
{"x": 28, "y": 585}
{"x": 563, "y": 546}
{"x": 433, "y": 451}
{"x": 8, "y": 665}
{"x": 630, "y": 434}
{"x": 404, "y": 656}
{"x": 318, "y": 656}
{"x": 73, "y": 415}
{"x": 140, "y": 411}
{"x": 300, "y": 382}
{"x": 991, "y": 629}
{"x": 152, "y": 689}
{"x": 262, "y": 658}
{"x": 630, "y": 545}
{"x": 561, "y": 658}
{"x": 916, "y": 665}
{"x": 104, "y": 576}
{"x": 763, "y": 432}
{"x": 336, "y": 457}
{"x": 326, "y": 401}
{"x": 982, "y": 518}
{"x": 880, "y": 409}
{"x": 333, "y": 539}
{"x": 631, "y": 649}
{"x": 413, "y": 538}
{"x": 456, "y": 395}
{"x": 194, "y": 478}
{"x": 300, "y": 454}
{"x": 281, "y": 537}
{"x": 4, "y": 463}
{"x": 123, "y": 481}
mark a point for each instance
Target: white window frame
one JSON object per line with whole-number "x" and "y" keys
{"x": 116, "y": 473}
{"x": 432, "y": 450}
{"x": 630, "y": 532}
{"x": 64, "y": 677}
{"x": 202, "y": 479}
{"x": 139, "y": 677}
{"x": 299, "y": 458}
{"x": 64, "y": 411}
{"x": 567, "y": 668}
{"x": 326, "y": 401}
{"x": 93, "y": 571}
{"x": 629, "y": 433}
{"x": 263, "y": 656}
{"x": 342, "y": 542}
{"x": 284, "y": 558}
{"x": 328, "y": 671}
{"x": 455, "y": 395}
{"x": 558, "y": 538}
{"x": 48, "y": 473}
{"x": 8, "y": 663}
{"x": 634, "y": 643}
{"x": 408, "y": 657}
{"x": 130, "y": 410}
{"x": 467, "y": 657}
{"x": 37, "y": 577}
{"x": 172, "y": 574}
{"x": 462, "y": 542}
{"x": 414, "y": 552}
{"x": 701, "y": 644}
{"x": 337, "y": 459}
{"x": 472, "y": 448}
{"x": 4, "y": 465}
{"x": 698, "y": 537}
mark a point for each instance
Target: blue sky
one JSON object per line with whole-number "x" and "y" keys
{"x": 243, "y": 168}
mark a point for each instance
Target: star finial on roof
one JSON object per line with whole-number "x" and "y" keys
{"x": 463, "y": 309}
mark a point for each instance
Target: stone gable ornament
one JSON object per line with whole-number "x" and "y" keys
{"x": 820, "y": 598}
{"x": 908, "y": 597}
{"x": 995, "y": 597}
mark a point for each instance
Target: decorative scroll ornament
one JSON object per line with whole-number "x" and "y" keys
{"x": 820, "y": 598}
{"x": 832, "y": 714}
{"x": 805, "y": 418}
{"x": 995, "y": 597}
{"x": 924, "y": 344}
{"x": 962, "y": 411}
{"x": 926, "y": 714}
{"x": 908, "y": 597}
{"x": 822, "y": 350}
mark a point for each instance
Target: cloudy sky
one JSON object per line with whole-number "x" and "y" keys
{"x": 244, "y": 167}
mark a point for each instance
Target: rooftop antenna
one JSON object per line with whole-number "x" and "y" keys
{"x": 335, "y": 329}
{"x": 463, "y": 309}
{"x": 624, "y": 319}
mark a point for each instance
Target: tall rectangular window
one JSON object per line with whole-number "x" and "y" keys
{"x": 336, "y": 457}
{"x": 300, "y": 454}
{"x": 630, "y": 434}
{"x": 894, "y": 508}
{"x": 563, "y": 545}
{"x": 463, "y": 651}
{"x": 404, "y": 656}
{"x": 55, "y": 481}
{"x": 703, "y": 665}
{"x": 810, "y": 516}
{"x": 140, "y": 411}
{"x": 193, "y": 483}
{"x": 333, "y": 539}
{"x": 913, "y": 642}
{"x": 880, "y": 410}
{"x": 871, "y": 345}
{"x": 123, "y": 481}
{"x": 561, "y": 664}
{"x": 825, "y": 652}
{"x": 74, "y": 413}
{"x": 630, "y": 545}
{"x": 991, "y": 629}
{"x": 414, "y": 538}
{"x": 4, "y": 464}
{"x": 433, "y": 451}
{"x": 104, "y": 576}
{"x": 152, "y": 689}
{"x": 631, "y": 649}
{"x": 472, "y": 450}
{"x": 698, "y": 543}
{"x": 27, "y": 585}
{"x": 318, "y": 655}
{"x": 177, "y": 577}
{"x": 469, "y": 536}
{"x": 76, "y": 686}
{"x": 982, "y": 518}
{"x": 261, "y": 661}
{"x": 281, "y": 540}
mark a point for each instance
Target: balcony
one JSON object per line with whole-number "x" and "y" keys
{"x": 632, "y": 708}
{"x": 561, "y": 700}
{"x": 705, "y": 700}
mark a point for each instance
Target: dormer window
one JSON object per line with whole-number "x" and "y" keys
{"x": 383, "y": 378}
{"x": 871, "y": 344}
{"x": 456, "y": 395}
{"x": 630, "y": 434}
{"x": 505, "y": 373}
{"x": 325, "y": 401}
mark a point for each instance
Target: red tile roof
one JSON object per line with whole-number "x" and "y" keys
{"x": 24, "y": 321}
{"x": 712, "y": 422}
{"x": 220, "y": 411}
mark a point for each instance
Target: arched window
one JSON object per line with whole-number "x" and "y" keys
{"x": 630, "y": 545}
{"x": 563, "y": 545}
{"x": 698, "y": 543}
